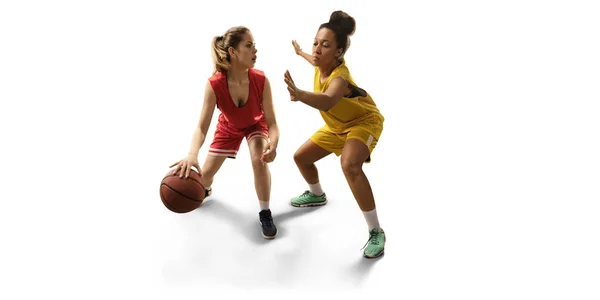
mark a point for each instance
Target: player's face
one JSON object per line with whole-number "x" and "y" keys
{"x": 245, "y": 53}
{"x": 324, "y": 49}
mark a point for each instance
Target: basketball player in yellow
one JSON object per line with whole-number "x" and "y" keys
{"x": 353, "y": 124}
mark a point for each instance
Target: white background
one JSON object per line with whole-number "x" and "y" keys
{"x": 486, "y": 175}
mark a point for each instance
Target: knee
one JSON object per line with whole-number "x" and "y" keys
{"x": 257, "y": 164}
{"x": 351, "y": 168}
{"x": 299, "y": 158}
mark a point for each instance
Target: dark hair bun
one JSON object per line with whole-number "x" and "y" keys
{"x": 343, "y": 21}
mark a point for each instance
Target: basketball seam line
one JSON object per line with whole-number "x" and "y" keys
{"x": 170, "y": 188}
{"x": 166, "y": 203}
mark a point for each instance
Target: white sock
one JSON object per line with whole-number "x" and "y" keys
{"x": 264, "y": 205}
{"x": 372, "y": 220}
{"x": 316, "y": 189}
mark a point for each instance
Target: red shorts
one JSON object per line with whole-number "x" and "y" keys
{"x": 227, "y": 139}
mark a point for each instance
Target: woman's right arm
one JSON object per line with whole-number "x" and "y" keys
{"x": 208, "y": 107}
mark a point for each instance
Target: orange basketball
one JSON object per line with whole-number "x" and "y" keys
{"x": 182, "y": 195}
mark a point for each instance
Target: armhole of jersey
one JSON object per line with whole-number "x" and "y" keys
{"x": 355, "y": 91}
{"x": 260, "y": 80}
{"x": 216, "y": 85}
{"x": 336, "y": 76}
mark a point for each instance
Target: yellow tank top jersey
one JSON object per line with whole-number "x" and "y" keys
{"x": 351, "y": 110}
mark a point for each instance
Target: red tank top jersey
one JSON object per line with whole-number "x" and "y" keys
{"x": 251, "y": 112}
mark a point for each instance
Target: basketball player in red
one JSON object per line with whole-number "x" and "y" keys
{"x": 243, "y": 95}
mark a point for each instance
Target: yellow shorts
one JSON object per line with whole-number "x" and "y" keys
{"x": 367, "y": 132}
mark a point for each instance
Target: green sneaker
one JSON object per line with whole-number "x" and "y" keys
{"x": 309, "y": 199}
{"x": 375, "y": 244}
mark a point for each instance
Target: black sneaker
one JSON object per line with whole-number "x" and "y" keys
{"x": 269, "y": 231}
{"x": 207, "y": 192}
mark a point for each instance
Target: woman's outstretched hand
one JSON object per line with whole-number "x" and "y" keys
{"x": 291, "y": 86}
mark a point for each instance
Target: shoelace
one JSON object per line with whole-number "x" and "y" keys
{"x": 372, "y": 238}
{"x": 266, "y": 220}
{"x": 306, "y": 193}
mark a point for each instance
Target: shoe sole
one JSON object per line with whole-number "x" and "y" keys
{"x": 309, "y": 204}
{"x": 375, "y": 256}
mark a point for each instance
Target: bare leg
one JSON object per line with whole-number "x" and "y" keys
{"x": 212, "y": 164}
{"x": 262, "y": 175}
{"x": 305, "y": 158}
{"x": 262, "y": 184}
{"x": 353, "y": 156}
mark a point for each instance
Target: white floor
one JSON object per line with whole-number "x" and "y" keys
{"x": 456, "y": 238}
